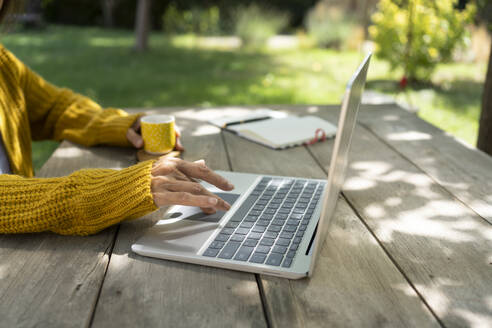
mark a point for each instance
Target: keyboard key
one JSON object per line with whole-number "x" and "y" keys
{"x": 300, "y": 234}
{"x": 298, "y": 210}
{"x": 294, "y": 247}
{"x": 212, "y": 252}
{"x": 284, "y": 210}
{"x": 227, "y": 231}
{"x": 246, "y": 225}
{"x": 217, "y": 244}
{"x": 262, "y": 202}
{"x": 267, "y": 241}
{"x": 266, "y": 217}
{"x": 250, "y": 242}
{"x": 222, "y": 237}
{"x": 263, "y": 223}
{"x": 232, "y": 224}
{"x": 255, "y": 235}
{"x": 258, "y": 228}
{"x": 281, "y": 216}
{"x": 257, "y": 258}
{"x": 279, "y": 249}
{"x": 250, "y": 218}
{"x": 293, "y": 222}
{"x": 243, "y": 253}
{"x": 229, "y": 250}
{"x": 237, "y": 237}
{"x": 287, "y": 262}
{"x": 275, "y": 259}
{"x": 274, "y": 228}
{"x": 297, "y": 240}
{"x": 291, "y": 254}
{"x": 263, "y": 249}
{"x": 303, "y": 227}
{"x": 258, "y": 207}
{"x": 278, "y": 222}
{"x": 287, "y": 235}
{"x": 295, "y": 216}
{"x": 255, "y": 212}
{"x": 290, "y": 228}
{"x": 242, "y": 231}
{"x": 270, "y": 234}
{"x": 283, "y": 242}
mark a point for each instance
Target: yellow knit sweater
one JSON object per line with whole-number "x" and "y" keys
{"x": 84, "y": 202}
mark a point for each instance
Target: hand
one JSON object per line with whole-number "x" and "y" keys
{"x": 133, "y": 135}
{"x": 173, "y": 183}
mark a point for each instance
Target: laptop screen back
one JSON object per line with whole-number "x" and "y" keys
{"x": 338, "y": 164}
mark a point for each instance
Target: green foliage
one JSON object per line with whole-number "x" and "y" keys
{"x": 418, "y": 34}
{"x": 99, "y": 63}
{"x": 196, "y": 20}
{"x": 328, "y": 26}
{"x": 255, "y": 25}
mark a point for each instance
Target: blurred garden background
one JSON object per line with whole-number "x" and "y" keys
{"x": 431, "y": 56}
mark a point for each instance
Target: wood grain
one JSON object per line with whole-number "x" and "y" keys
{"x": 354, "y": 284}
{"x": 140, "y": 291}
{"x": 49, "y": 280}
{"x": 442, "y": 246}
{"x": 462, "y": 170}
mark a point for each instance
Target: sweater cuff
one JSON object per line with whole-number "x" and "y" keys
{"x": 114, "y": 127}
{"x": 106, "y": 197}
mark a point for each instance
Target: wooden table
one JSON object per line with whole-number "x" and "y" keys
{"x": 411, "y": 244}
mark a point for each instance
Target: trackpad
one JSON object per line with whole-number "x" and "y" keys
{"x": 196, "y": 214}
{"x": 184, "y": 229}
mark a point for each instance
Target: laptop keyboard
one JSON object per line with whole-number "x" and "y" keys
{"x": 270, "y": 224}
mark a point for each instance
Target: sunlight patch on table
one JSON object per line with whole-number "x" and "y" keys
{"x": 205, "y": 130}
{"x": 474, "y": 320}
{"x": 68, "y": 152}
{"x": 409, "y": 136}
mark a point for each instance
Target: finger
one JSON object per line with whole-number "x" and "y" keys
{"x": 136, "y": 125}
{"x": 208, "y": 210}
{"x": 192, "y": 188}
{"x": 184, "y": 198}
{"x": 134, "y": 138}
{"x": 179, "y": 145}
{"x": 199, "y": 170}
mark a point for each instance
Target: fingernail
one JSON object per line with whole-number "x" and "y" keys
{"x": 212, "y": 201}
{"x": 228, "y": 206}
{"x": 230, "y": 185}
{"x": 201, "y": 161}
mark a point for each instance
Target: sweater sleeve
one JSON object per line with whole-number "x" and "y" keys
{"x": 82, "y": 203}
{"x": 57, "y": 113}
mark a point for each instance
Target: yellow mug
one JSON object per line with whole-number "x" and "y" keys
{"x": 158, "y": 134}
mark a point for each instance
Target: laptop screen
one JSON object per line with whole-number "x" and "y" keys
{"x": 338, "y": 164}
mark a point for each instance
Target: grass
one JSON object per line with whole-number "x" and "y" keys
{"x": 100, "y": 64}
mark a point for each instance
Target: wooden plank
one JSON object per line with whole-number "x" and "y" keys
{"x": 464, "y": 171}
{"x": 50, "y": 280}
{"x": 140, "y": 291}
{"x": 441, "y": 245}
{"x": 354, "y": 284}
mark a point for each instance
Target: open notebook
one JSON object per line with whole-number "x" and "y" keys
{"x": 279, "y": 131}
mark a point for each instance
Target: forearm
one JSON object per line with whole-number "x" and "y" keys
{"x": 82, "y": 203}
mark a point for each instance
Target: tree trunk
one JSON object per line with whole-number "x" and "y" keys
{"x": 108, "y": 10}
{"x": 484, "y": 142}
{"x": 142, "y": 25}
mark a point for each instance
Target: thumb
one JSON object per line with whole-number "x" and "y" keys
{"x": 134, "y": 138}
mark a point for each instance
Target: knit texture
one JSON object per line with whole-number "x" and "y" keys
{"x": 84, "y": 202}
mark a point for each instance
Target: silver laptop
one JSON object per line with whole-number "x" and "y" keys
{"x": 276, "y": 225}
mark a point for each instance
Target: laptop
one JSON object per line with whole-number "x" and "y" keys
{"x": 276, "y": 226}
